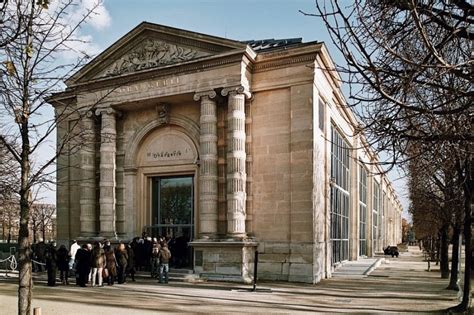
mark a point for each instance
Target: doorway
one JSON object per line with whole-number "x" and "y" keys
{"x": 173, "y": 216}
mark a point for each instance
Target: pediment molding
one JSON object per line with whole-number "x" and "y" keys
{"x": 151, "y": 46}
{"x": 151, "y": 53}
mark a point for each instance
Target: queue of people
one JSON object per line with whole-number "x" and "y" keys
{"x": 100, "y": 263}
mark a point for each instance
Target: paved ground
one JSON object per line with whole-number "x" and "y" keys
{"x": 397, "y": 286}
{"x": 358, "y": 269}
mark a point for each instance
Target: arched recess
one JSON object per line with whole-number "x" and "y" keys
{"x": 188, "y": 127}
{"x": 157, "y": 150}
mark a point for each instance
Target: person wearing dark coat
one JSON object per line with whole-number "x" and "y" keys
{"x": 83, "y": 264}
{"x": 147, "y": 246}
{"x": 122, "y": 260}
{"x": 63, "y": 264}
{"x": 40, "y": 250}
{"x": 110, "y": 264}
{"x": 51, "y": 258}
{"x": 131, "y": 262}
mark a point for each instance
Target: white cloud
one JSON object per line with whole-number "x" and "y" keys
{"x": 81, "y": 42}
{"x": 100, "y": 18}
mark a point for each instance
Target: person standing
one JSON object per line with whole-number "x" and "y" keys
{"x": 83, "y": 260}
{"x": 63, "y": 264}
{"x": 165, "y": 256}
{"x": 40, "y": 250}
{"x": 111, "y": 264}
{"x": 122, "y": 260}
{"x": 131, "y": 262}
{"x": 72, "y": 254}
{"x": 155, "y": 260}
{"x": 97, "y": 264}
{"x": 51, "y": 258}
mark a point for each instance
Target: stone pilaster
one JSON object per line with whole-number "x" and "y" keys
{"x": 208, "y": 179}
{"x": 88, "y": 186}
{"x": 108, "y": 149}
{"x": 236, "y": 158}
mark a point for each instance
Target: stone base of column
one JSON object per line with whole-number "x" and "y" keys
{"x": 224, "y": 260}
{"x": 87, "y": 235}
{"x": 89, "y": 239}
{"x": 109, "y": 235}
{"x": 208, "y": 237}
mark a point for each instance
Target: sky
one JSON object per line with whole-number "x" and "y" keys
{"x": 238, "y": 20}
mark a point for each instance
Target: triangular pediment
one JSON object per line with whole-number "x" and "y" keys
{"x": 150, "y": 46}
{"x": 151, "y": 53}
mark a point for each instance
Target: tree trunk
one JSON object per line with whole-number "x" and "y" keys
{"x": 9, "y": 229}
{"x": 455, "y": 260}
{"x": 444, "y": 252}
{"x": 34, "y": 234}
{"x": 43, "y": 231}
{"x": 468, "y": 183}
{"x": 25, "y": 278}
{"x": 25, "y": 281}
{"x": 466, "y": 298}
{"x": 438, "y": 248}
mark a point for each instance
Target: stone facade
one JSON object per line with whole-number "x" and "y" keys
{"x": 251, "y": 126}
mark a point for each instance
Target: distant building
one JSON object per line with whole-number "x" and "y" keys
{"x": 231, "y": 146}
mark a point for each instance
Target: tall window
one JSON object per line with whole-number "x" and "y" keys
{"x": 321, "y": 114}
{"x": 362, "y": 211}
{"x": 384, "y": 224}
{"x": 375, "y": 214}
{"x": 340, "y": 161}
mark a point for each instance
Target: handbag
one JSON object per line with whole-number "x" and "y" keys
{"x": 105, "y": 273}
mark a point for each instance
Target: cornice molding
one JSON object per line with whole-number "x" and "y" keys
{"x": 282, "y": 62}
{"x": 175, "y": 69}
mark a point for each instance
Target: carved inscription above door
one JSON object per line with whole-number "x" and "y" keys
{"x": 167, "y": 147}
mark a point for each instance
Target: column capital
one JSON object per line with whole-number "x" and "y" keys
{"x": 107, "y": 111}
{"x": 237, "y": 89}
{"x": 86, "y": 112}
{"x": 209, "y": 93}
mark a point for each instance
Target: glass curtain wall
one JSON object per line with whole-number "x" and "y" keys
{"x": 375, "y": 215}
{"x": 340, "y": 165}
{"x": 362, "y": 211}
{"x": 383, "y": 221}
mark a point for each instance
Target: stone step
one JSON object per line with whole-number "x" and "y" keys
{"x": 175, "y": 275}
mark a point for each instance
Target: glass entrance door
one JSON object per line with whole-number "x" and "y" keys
{"x": 173, "y": 216}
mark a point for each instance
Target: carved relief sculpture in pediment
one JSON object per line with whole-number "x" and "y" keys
{"x": 151, "y": 53}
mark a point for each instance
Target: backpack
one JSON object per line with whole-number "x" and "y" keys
{"x": 165, "y": 253}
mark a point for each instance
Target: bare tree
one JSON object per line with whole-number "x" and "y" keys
{"x": 433, "y": 188}
{"x": 11, "y": 21}
{"x": 41, "y": 219}
{"x": 9, "y": 174}
{"x": 33, "y": 42}
{"x": 10, "y": 219}
{"x": 409, "y": 68}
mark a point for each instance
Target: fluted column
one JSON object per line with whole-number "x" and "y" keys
{"x": 88, "y": 185}
{"x": 107, "y": 184}
{"x": 236, "y": 157}
{"x": 208, "y": 179}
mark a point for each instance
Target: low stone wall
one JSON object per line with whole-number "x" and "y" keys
{"x": 224, "y": 260}
{"x": 286, "y": 262}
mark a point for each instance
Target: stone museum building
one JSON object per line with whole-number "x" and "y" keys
{"x": 229, "y": 146}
